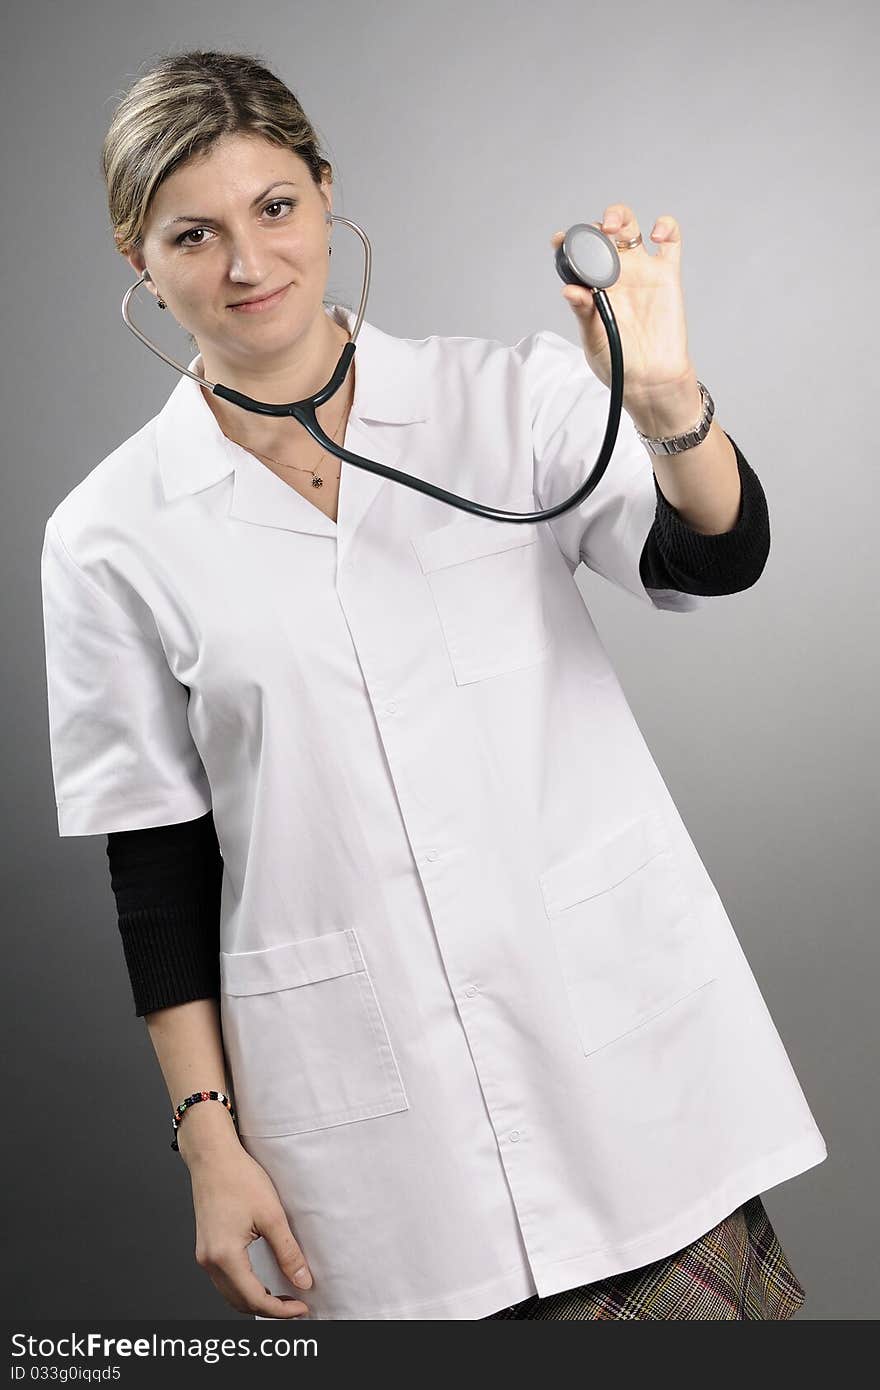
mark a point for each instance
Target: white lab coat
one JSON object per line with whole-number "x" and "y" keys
{"x": 491, "y": 1030}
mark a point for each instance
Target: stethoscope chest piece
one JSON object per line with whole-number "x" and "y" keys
{"x": 586, "y": 256}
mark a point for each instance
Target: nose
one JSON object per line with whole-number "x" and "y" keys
{"x": 245, "y": 265}
{"x": 247, "y": 260}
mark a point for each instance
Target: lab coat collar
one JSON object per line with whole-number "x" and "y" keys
{"x": 194, "y": 453}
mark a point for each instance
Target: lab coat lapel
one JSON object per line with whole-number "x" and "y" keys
{"x": 359, "y": 487}
{"x": 389, "y": 391}
{"x": 261, "y": 497}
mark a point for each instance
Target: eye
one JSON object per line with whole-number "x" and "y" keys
{"x": 280, "y": 203}
{"x": 181, "y": 240}
{"x": 276, "y": 203}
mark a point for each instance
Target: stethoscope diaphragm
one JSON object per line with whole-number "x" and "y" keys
{"x": 586, "y": 256}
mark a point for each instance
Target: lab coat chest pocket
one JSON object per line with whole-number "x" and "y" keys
{"x": 305, "y": 1037}
{"x": 628, "y": 939}
{"x": 485, "y": 580}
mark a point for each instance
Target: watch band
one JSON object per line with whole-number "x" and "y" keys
{"x": 676, "y": 444}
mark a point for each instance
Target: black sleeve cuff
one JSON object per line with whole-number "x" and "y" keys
{"x": 675, "y": 556}
{"x": 172, "y": 954}
{"x": 167, "y": 882}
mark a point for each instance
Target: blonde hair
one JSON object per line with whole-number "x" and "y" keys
{"x": 178, "y": 109}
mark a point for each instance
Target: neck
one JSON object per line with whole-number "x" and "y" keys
{"x": 264, "y": 433}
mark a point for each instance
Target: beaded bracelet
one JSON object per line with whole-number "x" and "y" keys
{"x": 193, "y": 1100}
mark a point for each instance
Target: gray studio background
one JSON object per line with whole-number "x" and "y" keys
{"x": 463, "y": 135}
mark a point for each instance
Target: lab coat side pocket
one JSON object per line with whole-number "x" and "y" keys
{"x": 306, "y": 1040}
{"x": 628, "y": 937}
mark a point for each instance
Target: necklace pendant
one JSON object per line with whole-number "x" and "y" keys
{"x": 316, "y": 481}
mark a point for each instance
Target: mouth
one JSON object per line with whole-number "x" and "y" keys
{"x": 258, "y": 306}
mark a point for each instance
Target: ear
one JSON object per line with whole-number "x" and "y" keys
{"x": 136, "y": 261}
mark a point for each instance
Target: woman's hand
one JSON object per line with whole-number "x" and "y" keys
{"x": 649, "y": 308}
{"x": 235, "y": 1203}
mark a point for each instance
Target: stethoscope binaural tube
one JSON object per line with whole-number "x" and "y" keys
{"x": 586, "y": 256}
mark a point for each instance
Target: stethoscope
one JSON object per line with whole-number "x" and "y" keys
{"x": 586, "y": 256}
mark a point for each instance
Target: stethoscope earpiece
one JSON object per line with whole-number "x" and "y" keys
{"x": 586, "y": 256}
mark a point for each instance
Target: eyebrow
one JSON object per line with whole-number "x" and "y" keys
{"x": 187, "y": 217}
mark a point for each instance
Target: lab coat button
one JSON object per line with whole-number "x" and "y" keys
{"x": 513, "y": 1136}
{"x": 391, "y": 707}
{"x": 470, "y": 991}
{"x": 433, "y": 854}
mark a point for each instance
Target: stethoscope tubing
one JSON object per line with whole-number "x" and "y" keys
{"x": 305, "y": 410}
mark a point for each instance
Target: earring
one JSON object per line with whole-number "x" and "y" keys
{"x": 161, "y": 303}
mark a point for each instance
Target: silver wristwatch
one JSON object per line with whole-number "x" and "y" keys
{"x": 676, "y": 444}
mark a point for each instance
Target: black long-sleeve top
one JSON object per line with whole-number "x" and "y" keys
{"x": 167, "y": 878}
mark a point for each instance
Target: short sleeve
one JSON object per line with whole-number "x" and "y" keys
{"x": 122, "y": 753}
{"x": 568, "y": 408}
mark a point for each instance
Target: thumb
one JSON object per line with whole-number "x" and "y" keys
{"x": 582, "y": 300}
{"x": 290, "y": 1258}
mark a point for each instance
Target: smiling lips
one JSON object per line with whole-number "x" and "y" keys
{"x": 259, "y": 306}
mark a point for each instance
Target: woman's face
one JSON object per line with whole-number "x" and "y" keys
{"x": 243, "y": 221}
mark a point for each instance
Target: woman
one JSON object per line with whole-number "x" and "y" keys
{"x": 406, "y": 903}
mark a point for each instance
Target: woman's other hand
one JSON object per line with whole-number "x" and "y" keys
{"x": 235, "y": 1202}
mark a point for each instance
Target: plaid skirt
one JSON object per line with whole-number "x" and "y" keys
{"x": 736, "y": 1270}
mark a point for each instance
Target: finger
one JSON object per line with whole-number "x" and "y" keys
{"x": 618, "y": 217}
{"x": 581, "y": 298}
{"x": 666, "y": 234}
{"x": 666, "y": 227}
{"x": 558, "y": 237}
{"x": 235, "y": 1279}
{"x": 290, "y": 1258}
{"x": 620, "y": 222}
